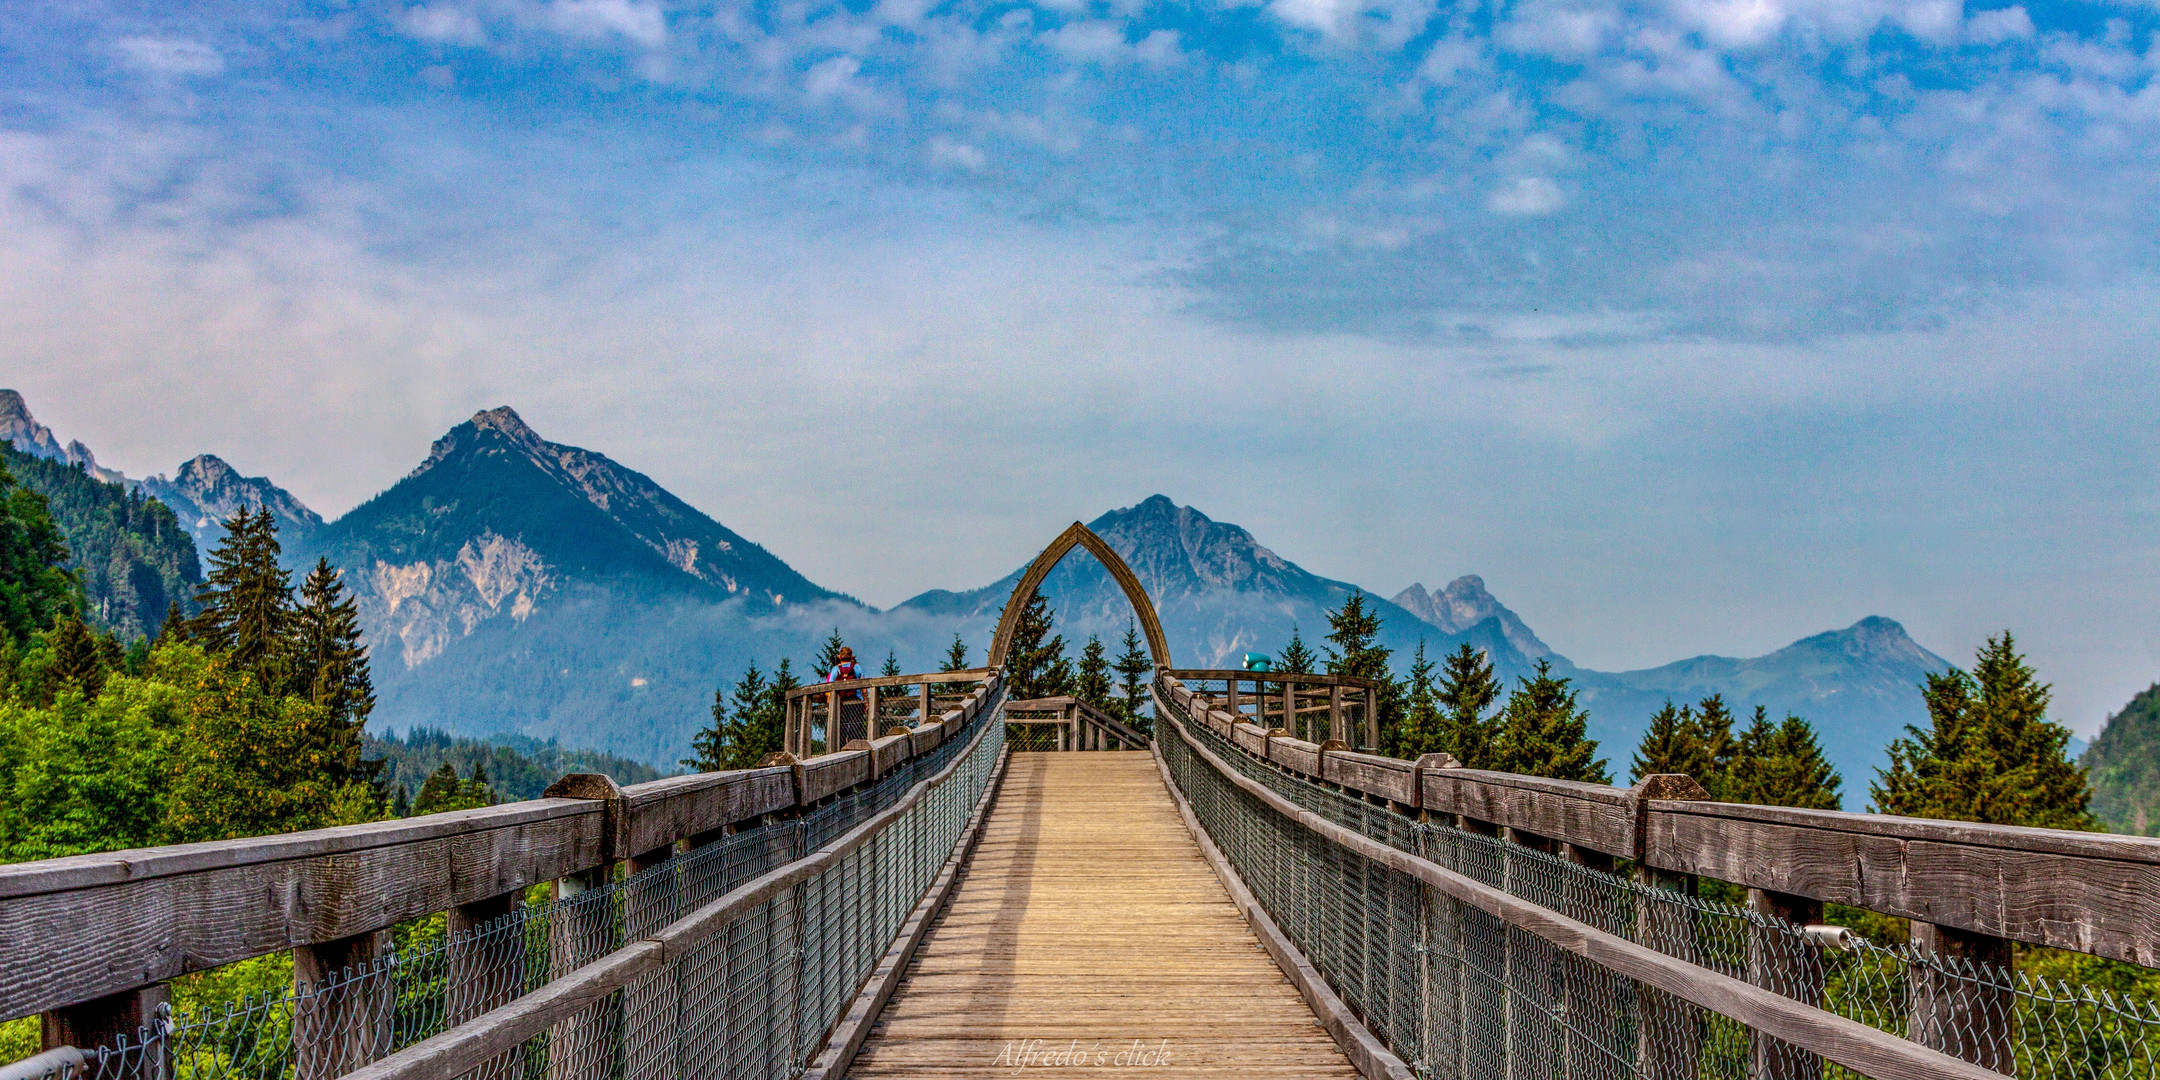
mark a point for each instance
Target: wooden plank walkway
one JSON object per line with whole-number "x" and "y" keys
{"x": 1087, "y": 925}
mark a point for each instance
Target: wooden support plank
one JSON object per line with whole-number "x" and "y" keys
{"x": 344, "y": 1005}
{"x": 104, "y": 1021}
{"x": 661, "y": 812}
{"x": 1971, "y": 1019}
{"x": 1784, "y": 965}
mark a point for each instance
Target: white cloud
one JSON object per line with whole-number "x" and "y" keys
{"x": 2000, "y": 25}
{"x": 1558, "y": 29}
{"x": 947, "y": 152}
{"x": 447, "y": 23}
{"x": 1527, "y": 196}
{"x": 638, "y": 23}
{"x": 169, "y": 56}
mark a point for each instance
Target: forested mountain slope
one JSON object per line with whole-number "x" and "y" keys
{"x": 129, "y": 550}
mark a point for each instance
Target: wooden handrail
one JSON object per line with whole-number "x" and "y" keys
{"x": 820, "y": 689}
{"x": 2086, "y": 892}
{"x": 1302, "y": 678}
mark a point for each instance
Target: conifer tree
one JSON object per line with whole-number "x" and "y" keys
{"x": 1673, "y": 744}
{"x": 1035, "y": 663}
{"x": 329, "y": 664}
{"x": 1354, "y": 649}
{"x": 1467, "y": 690}
{"x": 1132, "y": 666}
{"x": 767, "y": 728}
{"x": 1424, "y": 726}
{"x": 1989, "y": 753}
{"x": 1781, "y": 765}
{"x": 438, "y": 791}
{"x": 1296, "y": 658}
{"x": 246, "y": 599}
{"x": 173, "y": 628}
{"x": 956, "y": 656}
{"x": 1542, "y": 731}
{"x": 35, "y": 585}
{"x": 891, "y": 670}
{"x": 76, "y": 664}
{"x": 401, "y": 802}
{"x": 1092, "y": 683}
{"x": 1714, "y": 730}
{"x": 828, "y": 656}
{"x": 708, "y": 748}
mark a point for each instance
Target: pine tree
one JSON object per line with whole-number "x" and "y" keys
{"x": 1133, "y": 666}
{"x": 328, "y": 664}
{"x": 1781, "y": 765}
{"x": 438, "y": 792}
{"x": 173, "y": 628}
{"x": 708, "y": 748}
{"x": 76, "y": 662}
{"x": 1354, "y": 649}
{"x": 1035, "y": 663}
{"x": 766, "y": 730}
{"x": 1092, "y": 683}
{"x": 1673, "y": 744}
{"x": 1542, "y": 732}
{"x": 1467, "y": 690}
{"x": 1989, "y": 753}
{"x": 828, "y": 656}
{"x": 1713, "y": 729}
{"x": 891, "y": 670}
{"x": 401, "y": 802}
{"x": 246, "y": 600}
{"x": 1424, "y": 726}
{"x": 1296, "y": 659}
{"x": 956, "y": 656}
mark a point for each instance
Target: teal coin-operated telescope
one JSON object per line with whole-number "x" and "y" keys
{"x": 1258, "y": 662}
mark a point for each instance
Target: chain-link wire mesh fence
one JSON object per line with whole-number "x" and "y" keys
{"x": 432, "y": 980}
{"x": 1458, "y": 993}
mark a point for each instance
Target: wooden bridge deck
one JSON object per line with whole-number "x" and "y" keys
{"x": 1087, "y": 924}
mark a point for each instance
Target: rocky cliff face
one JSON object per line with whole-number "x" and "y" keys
{"x": 1465, "y": 603}
{"x": 205, "y": 492}
{"x": 22, "y": 431}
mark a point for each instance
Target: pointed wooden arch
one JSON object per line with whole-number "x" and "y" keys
{"x": 1080, "y": 536}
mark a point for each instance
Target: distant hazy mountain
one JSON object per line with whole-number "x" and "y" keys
{"x": 2124, "y": 764}
{"x": 206, "y": 492}
{"x": 1463, "y": 605}
{"x": 129, "y": 552}
{"x": 1220, "y": 594}
{"x": 22, "y": 431}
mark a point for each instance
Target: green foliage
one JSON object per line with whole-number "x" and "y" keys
{"x": 35, "y": 584}
{"x": 1133, "y": 669}
{"x": 828, "y": 656}
{"x": 1354, "y": 649}
{"x": 2124, "y": 766}
{"x": 756, "y": 726}
{"x": 1542, "y": 732}
{"x": 246, "y": 601}
{"x": 1035, "y": 664}
{"x": 1989, "y": 753}
{"x": 328, "y": 660}
{"x": 1092, "y": 682}
{"x": 956, "y": 656}
{"x": 891, "y": 670}
{"x": 1297, "y": 658}
{"x": 519, "y": 767}
{"x": 1467, "y": 690}
{"x": 1422, "y": 731}
{"x": 443, "y": 791}
{"x": 1780, "y": 765}
{"x": 77, "y": 662}
{"x": 1673, "y": 744}
{"x": 130, "y": 553}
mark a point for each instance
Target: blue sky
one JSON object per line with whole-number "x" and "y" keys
{"x": 1692, "y": 325}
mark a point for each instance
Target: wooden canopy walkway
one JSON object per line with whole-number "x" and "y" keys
{"x": 1088, "y": 925}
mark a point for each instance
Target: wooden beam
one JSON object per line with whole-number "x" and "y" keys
{"x": 343, "y": 1007}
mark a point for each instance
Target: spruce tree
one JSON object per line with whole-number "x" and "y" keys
{"x": 35, "y": 585}
{"x": 1713, "y": 729}
{"x": 891, "y": 670}
{"x": 1989, "y": 753}
{"x": 1542, "y": 732}
{"x": 328, "y": 660}
{"x": 1035, "y": 663}
{"x": 76, "y": 663}
{"x": 1296, "y": 658}
{"x": 438, "y": 791}
{"x": 956, "y": 656}
{"x": 173, "y": 628}
{"x": 1354, "y": 649}
{"x": 1133, "y": 668}
{"x": 828, "y": 656}
{"x": 708, "y": 748}
{"x": 1092, "y": 683}
{"x": 1673, "y": 744}
{"x": 246, "y": 599}
{"x": 1424, "y": 727}
{"x": 1781, "y": 765}
{"x": 1467, "y": 690}
{"x": 401, "y": 802}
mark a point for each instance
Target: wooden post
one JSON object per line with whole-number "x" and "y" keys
{"x": 1668, "y": 1031}
{"x": 338, "y": 1030}
{"x": 104, "y": 1021}
{"x": 923, "y": 709}
{"x": 1960, "y": 1017}
{"x": 1231, "y": 703}
{"x": 870, "y": 713}
{"x": 1792, "y": 967}
{"x": 1372, "y": 720}
{"x": 834, "y": 738}
{"x": 485, "y": 972}
{"x": 1334, "y": 712}
{"x": 1289, "y": 710}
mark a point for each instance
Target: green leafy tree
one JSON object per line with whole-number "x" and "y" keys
{"x": 1989, "y": 753}
{"x": 1296, "y": 658}
{"x": 83, "y": 776}
{"x": 35, "y": 585}
{"x": 1035, "y": 664}
{"x": 1542, "y": 731}
{"x": 1781, "y": 765}
{"x": 246, "y": 600}
{"x": 1467, "y": 690}
{"x": 955, "y": 656}
{"x": 1133, "y": 668}
{"x": 1092, "y": 683}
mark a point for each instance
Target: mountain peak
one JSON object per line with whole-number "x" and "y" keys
{"x": 205, "y": 491}
{"x": 205, "y": 471}
{"x": 1875, "y": 638}
{"x": 22, "y": 431}
{"x": 1464, "y": 603}
{"x": 505, "y": 419}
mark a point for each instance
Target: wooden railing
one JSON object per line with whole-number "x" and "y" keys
{"x": 870, "y": 708}
{"x": 1308, "y": 706}
{"x": 1970, "y": 890}
{"x": 1077, "y": 724}
{"x": 90, "y": 941}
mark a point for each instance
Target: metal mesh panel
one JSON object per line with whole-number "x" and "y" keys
{"x": 433, "y": 981}
{"x": 1458, "y": 993}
